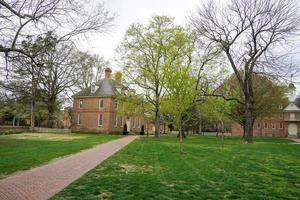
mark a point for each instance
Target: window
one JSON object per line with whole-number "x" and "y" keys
{"x": 292, "y": 115}
{"x": 101, "y": 103}
{"x": 100, "y": 120}
{"x": 280, "y": 116}
{"x": 133, "y": 124}
{"x": 79, "y": 119}
{"x": 258, "y": 125}
{"x": 281, "y": 125}
{"x": 273, "y": 126}
{"x": 116, "y": 104}
{"x": 80, "y": 103}
{"x": 116, "y": 121}
{"x": 266, "y": 125}
{"x": 121, "y": 123}
{"x": 138, "y": 122}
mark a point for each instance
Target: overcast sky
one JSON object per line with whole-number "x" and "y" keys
{"x": 131, "y": 11}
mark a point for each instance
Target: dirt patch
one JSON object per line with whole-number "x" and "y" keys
{"x": 125, "y": 168}
{"x": 104, "y": 195}
{"x": 45, "y": 136}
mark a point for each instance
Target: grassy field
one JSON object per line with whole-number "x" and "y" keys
{"x": 153, "y": 169}
{"x": 24, "y": 151}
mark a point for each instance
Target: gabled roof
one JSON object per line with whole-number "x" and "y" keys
{"x": 291, "y": 107}
{"x": 104, "y": 88}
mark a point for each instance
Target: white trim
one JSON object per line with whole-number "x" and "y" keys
{"x": 101, "y": 100}
{"x": 265, "y": 123}
{"x": 100, "y": 124}
{"x": 80, "y": 105}
{"x": 116, "y": 121}
{"x": 79, "y": 119}
{"x": 281, "y": 125}
{"x": 122, "y": 122}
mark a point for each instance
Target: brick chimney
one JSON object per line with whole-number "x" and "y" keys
{"x": 107, "y": 72}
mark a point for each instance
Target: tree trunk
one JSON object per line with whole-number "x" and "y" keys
{"x": 33, "y": 96}
{"x": 180, "y": 140}
{"x": 157, "y": 123}
{"x": 51, "y": 110}
{"x": 248, "y": 121}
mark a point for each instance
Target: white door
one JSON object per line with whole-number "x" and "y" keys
{"x": 128, "y": 125}
{"x": 292, "y": 129}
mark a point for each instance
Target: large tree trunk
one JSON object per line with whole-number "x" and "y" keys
{"x": 248, "y": 120}
{"x": 51, "y": 110}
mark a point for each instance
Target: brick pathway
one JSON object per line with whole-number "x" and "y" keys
{"x": 45, "y": 181}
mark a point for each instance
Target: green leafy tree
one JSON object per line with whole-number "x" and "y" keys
{"x": 146, "y": 52}
{"x": 181, "y": 95}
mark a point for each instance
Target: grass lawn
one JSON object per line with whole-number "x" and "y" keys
{"x": 24, "y": 151}
{"x": 153, "y": 169}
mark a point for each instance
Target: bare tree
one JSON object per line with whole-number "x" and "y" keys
{"x": 89, "y": 68}
{"x": 21, "y": 18}
{"x": 249, "y": 32}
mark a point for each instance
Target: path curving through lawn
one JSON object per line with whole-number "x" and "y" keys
{"x": 45, "y": 181}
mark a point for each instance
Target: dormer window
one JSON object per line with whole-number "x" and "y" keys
{"x": 80, "y": 103}
{"x": 93, "y": 88}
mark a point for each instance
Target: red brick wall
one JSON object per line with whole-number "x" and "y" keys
{"x": 272, "y": 129}
{"x": 89, "y": 116}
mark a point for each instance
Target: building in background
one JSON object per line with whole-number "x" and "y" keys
{"x": 286, "y": 123}
{"x": 95, "y": 109}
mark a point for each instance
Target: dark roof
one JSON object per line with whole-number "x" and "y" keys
{"x": 297, "y": 102}
{"x": 106, "y": 88}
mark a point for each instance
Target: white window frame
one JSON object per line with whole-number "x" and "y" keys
{"x": 273, "y": 125}
{"x": 258, "y": 125}
{"x": 116, "y": 121}
{"x": 80, "y": 103}
{"x": 122, "y": 121}
{"x": 101, "y": 101}
{"x": 79, "y": 119}
{"x": 292, "y": 116}
{"x": 138, "y": 122}
{"x": 100, "y": 123}
{"x": 280, "y": 125}
{"x": 280, "y": 115}
{"x": 133, "y": 122}
{"x": 266, "y": 125}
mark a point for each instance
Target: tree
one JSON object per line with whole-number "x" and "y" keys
{"x": 216, "y": 110}
{"x": 268, "y": 97}
{"x": 145, "y": 53}
{"x": 89, "y": 68}
{"x": 46, "y": 82}
{"x": 181, "y": 96}
{"x": 248, "y": 33}
{"x": 22, "y": 18}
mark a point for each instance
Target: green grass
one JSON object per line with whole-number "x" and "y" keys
{"x": 24, "y": 151}
{"x": 153, "y": 169}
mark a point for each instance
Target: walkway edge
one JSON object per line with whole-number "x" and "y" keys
{"x": 45, "y": 181}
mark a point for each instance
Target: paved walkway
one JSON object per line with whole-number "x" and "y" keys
{"x": 295, "y": 140}
{"x": 45, "y": 181}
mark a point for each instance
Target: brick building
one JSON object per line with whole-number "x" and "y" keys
{"x": 285, "y": 123}
{"x": 95, "y": 109}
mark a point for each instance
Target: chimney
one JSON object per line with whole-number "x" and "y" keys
{"x": 107, "y": 72}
